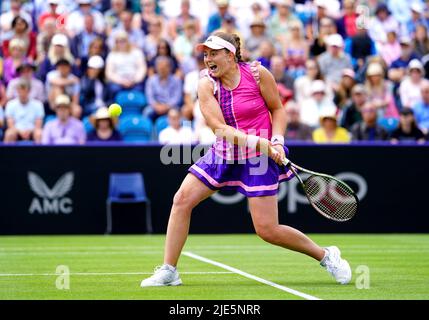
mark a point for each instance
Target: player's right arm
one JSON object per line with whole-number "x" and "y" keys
{"x": 213, "y": 115}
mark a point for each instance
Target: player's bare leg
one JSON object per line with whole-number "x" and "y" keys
{"x": 191, "y": 192}
{"x": 264, "y": 211}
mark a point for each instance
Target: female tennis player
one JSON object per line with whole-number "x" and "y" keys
{"x": 241, "y": 104}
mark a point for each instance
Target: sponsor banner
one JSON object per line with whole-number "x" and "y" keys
{"x": 63, "y": 190}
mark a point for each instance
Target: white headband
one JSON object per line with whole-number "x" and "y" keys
{"x": 216, "y": 43}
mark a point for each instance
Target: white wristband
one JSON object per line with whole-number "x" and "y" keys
{"x": 278, "y": 139}
{"x": 252, "y": 141}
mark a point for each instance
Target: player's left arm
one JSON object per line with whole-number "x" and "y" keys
{"x": 268, "y": 88}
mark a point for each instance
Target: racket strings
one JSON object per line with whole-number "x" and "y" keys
{"x": 332, "y": 198}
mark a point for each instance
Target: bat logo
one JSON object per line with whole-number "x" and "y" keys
{"x": 61, "y": 188}
{"x": 54, "y": 200}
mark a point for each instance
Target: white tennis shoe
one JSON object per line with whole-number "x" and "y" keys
{"x": 164, "y": 275}
{"x": 336, "y": 266}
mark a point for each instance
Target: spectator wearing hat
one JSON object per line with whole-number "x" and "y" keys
{"x": 51, "y": 13}
{"x": 410, "y": 26}
{"x": 334, "y": 60}
{"x": 21, "y": 30}
{"x": 257, "y": 36}
{"x": 343, "y": 92}
{"x": 329, "y": 131}
{"x": 246, "y": 12}
{"x": 410, "y": 87}
{"x": 62, "y": 81}
{"x": 163, "y": 90}
{"x": 59, "y": 48}
{"x": 104, "y": 127}
{"x": 421, "y": 109}
{"x": 37, "y": 89}
{"x": 79, "y": 44}
{"x": 352, "y": 111}
{"x": 215, "y": 20}
{"x": 312, "y": 108}
{"x": 176, "y": 133}
{"x": 24, "y": 116}
{"x": 93, "y": 92}
{"x": 368, "y": 129}
{"x": 64, "y": 129}
{"x": 75, "y": 21}
{"x": 125, "y": 66}
{"x": 380, "y": 91}
{"x": 407, "y": 129}
{"x": 382, "y": 23}
{"x": 295, "y": 129}
{"x": 278, "y": 23}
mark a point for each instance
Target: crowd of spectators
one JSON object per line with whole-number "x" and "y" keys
{"x": 346, "y": 70}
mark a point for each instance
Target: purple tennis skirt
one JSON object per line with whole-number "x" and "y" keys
{"x": 253, "y": 177}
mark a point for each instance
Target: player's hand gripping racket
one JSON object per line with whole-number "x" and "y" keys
{"x": 330, "y": 196}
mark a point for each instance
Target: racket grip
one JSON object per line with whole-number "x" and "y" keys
{"x": 285, "y": 160}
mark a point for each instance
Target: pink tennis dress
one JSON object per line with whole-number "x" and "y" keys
{"x": 228, "y": 166}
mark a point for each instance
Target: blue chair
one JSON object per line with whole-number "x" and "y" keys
{"x": 131, "y": 101}
{"x": 135, "y": 128}
{"x": 87, "y": 124}
{"x": 389, "y": 124}
{"x": 49, "y": 117}
{"x": 127, "y": 188}
{"x": 160, "y": 124}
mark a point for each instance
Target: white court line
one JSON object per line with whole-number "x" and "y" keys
{"x": 250, "y": 276}
{"x": 98, "y": 273}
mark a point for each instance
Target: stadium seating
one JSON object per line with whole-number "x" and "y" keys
{"x": 135, "y": 128}
{"x": 48, "y": 118}
{"x": 160, "y": 124}
{"x": 127, "y": 188}
{"x": 87, "y": 124}
{"x": 131, "y": 101}
{"x": 389, "y": 124}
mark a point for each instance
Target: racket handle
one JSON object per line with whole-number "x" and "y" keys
{"x": 285, "y": 160}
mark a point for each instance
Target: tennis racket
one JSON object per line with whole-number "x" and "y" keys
{"x": 329, "y": 196}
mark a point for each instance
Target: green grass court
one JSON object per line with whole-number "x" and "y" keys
{"x": 111, "y": 267}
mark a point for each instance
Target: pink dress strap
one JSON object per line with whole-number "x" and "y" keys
{"x": 255, "y": 70}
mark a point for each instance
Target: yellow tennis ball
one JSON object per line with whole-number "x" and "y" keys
{"x": 115, "y": 110}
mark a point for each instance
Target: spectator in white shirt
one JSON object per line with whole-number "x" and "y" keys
{"x": 312, "y": 108}
{"x": 176, "y": 133}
